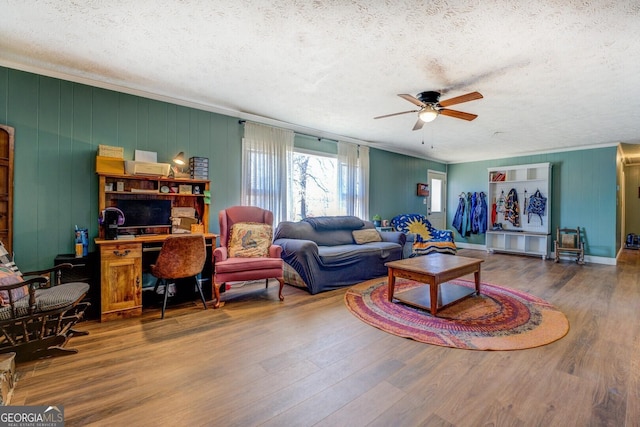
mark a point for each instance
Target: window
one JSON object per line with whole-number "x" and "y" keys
{"x": 294, "y": 184}
{"x": 436, "y": 195}
{"x": 314, "y": 185}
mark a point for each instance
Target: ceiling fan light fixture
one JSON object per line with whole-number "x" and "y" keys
{"x": 428, "y": 114}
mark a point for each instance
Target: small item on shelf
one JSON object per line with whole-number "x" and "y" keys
{"x": 144, "y": 190}
{"x": 109, "y": 165}
{"x": 185, "y": 189}
{"x": 120, "y": 186}
{"x": 199, "y": 167}
{"x": 144, "y": 168}
{"x": 164, "y": 189}
{"x": 109, "y": 151}
{"x": 498, "y": 176}
{"x": 197, "y": 228}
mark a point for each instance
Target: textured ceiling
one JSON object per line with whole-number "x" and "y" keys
{"x": 555, "y": 75}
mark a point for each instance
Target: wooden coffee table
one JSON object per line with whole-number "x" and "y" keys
{"x": 433, "y": 270}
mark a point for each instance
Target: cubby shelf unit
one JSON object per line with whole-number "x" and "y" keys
{"x": 533, "y": 236}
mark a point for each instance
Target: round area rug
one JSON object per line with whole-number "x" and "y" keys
{"x": 497, "y": 319}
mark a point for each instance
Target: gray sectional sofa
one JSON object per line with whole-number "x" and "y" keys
{"x": 324, "y": 253}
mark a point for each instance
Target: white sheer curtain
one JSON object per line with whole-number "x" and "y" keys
{"x": 362, "y": 203}
{"x": 266, "y": 167}
{"x": 353, "y": 179}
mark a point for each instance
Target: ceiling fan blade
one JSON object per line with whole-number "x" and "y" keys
{"x": 418, "y": 125}
{"x": 457, "y": 114}
{"x": 396, "y": 114}
{"x": 460, "y": 99}
{"x": 412, "y": 99}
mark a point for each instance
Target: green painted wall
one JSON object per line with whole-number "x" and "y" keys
{"x": 393, "y": 180}
{"x": 59, "y": 125}
{"x": 584, "y": 193}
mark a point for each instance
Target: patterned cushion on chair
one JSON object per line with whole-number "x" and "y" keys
{"x": 250, "y": 239}
{"x": 48, "y": 300}
{"x": 10, "y": 277}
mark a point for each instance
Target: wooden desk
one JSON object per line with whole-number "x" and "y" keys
{"x": 121, "y": 273}
{"x": 434, "y": 270}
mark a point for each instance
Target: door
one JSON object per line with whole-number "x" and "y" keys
{"x": 437, "y": 200}
{"x": 6, "y": 187}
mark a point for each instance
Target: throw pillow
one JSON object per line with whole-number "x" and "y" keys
{"x": 250, "y": 240}
{"x": 6, "y": 261}
{"x": 367, "y": 235}
{"x": 8, "y": 277}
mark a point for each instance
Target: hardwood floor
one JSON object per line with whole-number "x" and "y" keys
{"x": 307, "y": 361}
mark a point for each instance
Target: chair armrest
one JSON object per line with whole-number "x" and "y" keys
{"x": 55, "y": 268}
{"x": 220, "y": 254}
{"x": 32, "y": 284}
{"x": 449, "y": 233}
{"x": 275, "y": 251}
{"x": 55, "y": 272}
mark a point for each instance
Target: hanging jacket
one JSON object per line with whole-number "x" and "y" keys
{"x": 511, "y": 208}
{"x": 467, "y": 216}
{"x": 458, "y": 218}
{"x": 482, "y": 213}
{"x": 475, "y": 199}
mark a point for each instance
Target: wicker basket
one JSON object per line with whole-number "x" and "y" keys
{"x": 109, "y": 151}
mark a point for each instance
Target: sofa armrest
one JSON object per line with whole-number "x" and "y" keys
{"x": 299, "y": 246}
{"x": 394, "y": 237}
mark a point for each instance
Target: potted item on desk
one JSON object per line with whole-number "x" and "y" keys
{"x": 377, "y": 220}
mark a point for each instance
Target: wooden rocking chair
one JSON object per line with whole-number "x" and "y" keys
{"x": 38, "y": 314}
{"x": 568, "y": 241}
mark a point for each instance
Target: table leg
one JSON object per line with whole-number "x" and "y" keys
{"x": 391, "y": 285}
{"x": 433, "y": 294}
{"x": 476, "y": 276}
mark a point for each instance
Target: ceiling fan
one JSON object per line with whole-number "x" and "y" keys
{"x": 430, "y": 106}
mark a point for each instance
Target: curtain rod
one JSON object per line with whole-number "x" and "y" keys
{"x": 297, "y": 133}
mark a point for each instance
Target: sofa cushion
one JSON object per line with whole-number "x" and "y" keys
{"x": 335, "y": 222}
{"x": 345, "y": 254}
{"x": 233, "y": 265}
{"x": 366, "y": 235}
{"x": 250, "y": 239}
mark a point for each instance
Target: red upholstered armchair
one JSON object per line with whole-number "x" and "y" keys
{"x": 245, "y": 253}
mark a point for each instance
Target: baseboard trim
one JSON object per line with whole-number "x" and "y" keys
{"x": 587, "y": 258}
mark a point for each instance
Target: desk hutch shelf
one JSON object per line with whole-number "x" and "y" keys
{"x": 152, "y": 187}
{"x": 122, "y": 261}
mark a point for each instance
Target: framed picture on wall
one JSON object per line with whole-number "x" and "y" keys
{"x": 423, "y": 190}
